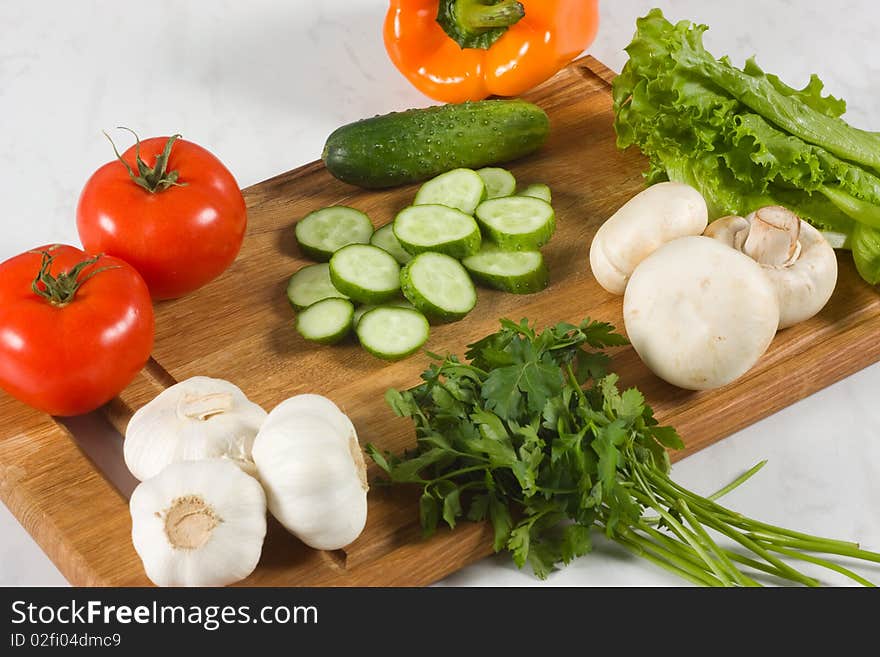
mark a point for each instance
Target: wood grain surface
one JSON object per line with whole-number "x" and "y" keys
{"x": 240, "y": 328}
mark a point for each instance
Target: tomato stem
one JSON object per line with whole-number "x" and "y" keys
{"x": 153, "y": 179}
{"x": 60, "y": 290}
{"x": 478, "y": 23}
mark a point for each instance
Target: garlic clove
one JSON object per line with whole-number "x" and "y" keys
{"x": 199, "y": 523}
{"x": 311, "y": 465}
{"x": 195, "y": 419}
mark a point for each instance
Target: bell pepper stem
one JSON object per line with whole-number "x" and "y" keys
{"x": 478, "y": 23}
{"x": 477, "y": 14}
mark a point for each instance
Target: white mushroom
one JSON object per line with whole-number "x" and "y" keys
{"x": 699, "y": 314}
{"x": 660, "y": 214}
{"x": 796, "y": 258}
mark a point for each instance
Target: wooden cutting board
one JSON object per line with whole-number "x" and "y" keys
{"x": 240, "y": 328}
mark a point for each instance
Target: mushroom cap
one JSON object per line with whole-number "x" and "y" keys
{"x": 659, "y": 214}
{"x": 699, "y": 313}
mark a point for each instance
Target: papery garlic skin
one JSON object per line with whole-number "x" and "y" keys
{"x": 311, "y": 465}
{"x": 199, "y": 523}
{"x": 198, "y": 418}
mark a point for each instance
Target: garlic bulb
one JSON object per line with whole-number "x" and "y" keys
{"x": 309, "y": 460}
{"x": 198, "y": 418}
{"x": 199, "y": 523}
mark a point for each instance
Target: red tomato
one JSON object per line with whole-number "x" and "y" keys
{"x": 71, "y": 354}
{"x": 179, "y": 236}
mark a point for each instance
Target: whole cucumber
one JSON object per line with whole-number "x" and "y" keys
{"x": 411, "y": 146}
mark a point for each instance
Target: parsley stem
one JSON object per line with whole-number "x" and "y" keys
{"x": 817, "y": 546}
{"x": 455, "y": 473}
{"x": 739, "y": 481}
{"x": 723, "y": 528}
{"x": 830, "y": 565}
{"x": 673, "y": 564}
{"x": 746, "y": 523}
{"x": 733, "y": 556}
{"x": 719, "y": 524}
{"x": 712, "y": 546}
{"x": 682, "y": 550}
{"x": 691, "y": 538}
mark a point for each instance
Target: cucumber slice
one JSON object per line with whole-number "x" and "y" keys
{"x": 437, "y": 228}
{"x": 519, "y": 272}
{"x": 537, "y": 190}
{"x": 326, "y": 321}
{"x": 438, "y": 286}
{"x": 384, "y": 238}
{"x": 499, "y": 182}
{"x": 462, "y": 189}
{"x": 310, "y": 285}
{"x": 392, "y": 333}
{"x": 360, "y": 311}
{"x": 517, "y": 223}
{"x": 323, "y": 232}
{"x": 365, "y": 273}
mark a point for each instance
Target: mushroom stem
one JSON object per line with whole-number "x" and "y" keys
{"x": 773, "y": 237}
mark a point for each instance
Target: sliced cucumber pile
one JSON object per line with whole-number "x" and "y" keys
{"x": 439, "y": 286}
{"x": 310, "y": 285}
{"x": 517, "y": 223}
{"x": 462, "y": 189}
{"x": 326, "y": 321}
{"x": 360, "y": 311}
{"x": 385, "y": 239}
{"x": 499, "y": 182}
{"x": 463, "y": 226}
{"x": 365, "y": 273}
{"x": 518, "y": 272}
{"x": 323, "y": 232}
{"x": 421, "y": 228}
{"x": 392, "y": 333}
{"x": 537, "y": 190}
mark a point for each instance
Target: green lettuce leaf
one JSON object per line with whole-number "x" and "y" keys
{"x": 742, "y": 137}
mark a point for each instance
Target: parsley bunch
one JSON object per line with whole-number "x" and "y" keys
{"x": 533, "y": 434}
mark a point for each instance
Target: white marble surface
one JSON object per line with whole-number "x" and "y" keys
{"x": 261, "y": 83}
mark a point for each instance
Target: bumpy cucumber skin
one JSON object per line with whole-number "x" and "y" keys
{"x": 520, "y": 241}
{"x": 432, "y": 312}
{"x": 330, "y": 338}
{"x": 529, "y": 283}
{"x": 400, "y": 355}
{"x": 412, "y": 146}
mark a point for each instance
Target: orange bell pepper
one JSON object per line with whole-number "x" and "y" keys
{"x": 458, "y": 50}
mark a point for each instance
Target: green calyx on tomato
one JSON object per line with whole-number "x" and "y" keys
{"x": 60, "y": 289}
{"x": 178, "y": 238}
{"x": 153, "y": 179}
{"x": 70, "y": 358}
